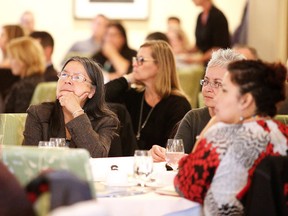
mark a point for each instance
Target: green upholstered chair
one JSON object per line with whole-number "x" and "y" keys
{"x": 11, "y": 128}
{"x": 282, "y": 118}
{"x": 44, "y": 92}
{"x": 190, "y": 82}
{"x": 26, "y": 162}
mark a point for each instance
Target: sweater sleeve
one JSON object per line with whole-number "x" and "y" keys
{"x": 97, "y": 138}
{"x": 196, "y": 172}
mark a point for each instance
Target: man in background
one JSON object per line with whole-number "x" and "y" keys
{"x": 88, "y": 47}
{"x": 47, "y": 42}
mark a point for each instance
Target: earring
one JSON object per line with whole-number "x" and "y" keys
{"x": 241, "y": 118}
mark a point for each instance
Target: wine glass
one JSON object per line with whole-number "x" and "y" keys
{"x": 59, "y": 142}
{"x": 174, "y": 152}
{"x": 143, "y": 166}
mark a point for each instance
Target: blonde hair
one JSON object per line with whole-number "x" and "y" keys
{"x": 167, "y": 81}
{"x": 30, "y": 53}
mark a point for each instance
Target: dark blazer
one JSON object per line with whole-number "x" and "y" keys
{"x": 19, "y": 97}
{"x": 50, "y": 73}
{"x": 89, "y": 133}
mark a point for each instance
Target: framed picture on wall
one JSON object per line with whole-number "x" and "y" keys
{"x": 113, "y": 9}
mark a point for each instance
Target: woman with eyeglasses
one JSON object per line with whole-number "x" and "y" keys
{"x": 219, "y": 171}
{"x": 195, "y": 120}
{"x": 156, "y": 103}
{"x": 80, "y": 113}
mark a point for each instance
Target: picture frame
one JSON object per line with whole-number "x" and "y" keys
{"x": 113, "y": 9}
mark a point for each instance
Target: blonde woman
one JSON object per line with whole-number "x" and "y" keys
{"x": 8, "y": 33}
{"x": 158, "y": 103}
{"x": 27, "y": 61}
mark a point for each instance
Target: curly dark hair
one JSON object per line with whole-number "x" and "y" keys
{"x": 265, "y": 81}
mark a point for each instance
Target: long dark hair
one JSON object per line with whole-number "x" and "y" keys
{"x": 95, "y": 107}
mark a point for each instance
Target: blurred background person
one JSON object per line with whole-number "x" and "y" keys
{"x": 157, "y": 36}
{"x": 8, "y": 33}
{"x": 88, "y": 47}
{"x": 195, "y": 120}
{"x": 115, "y": 55}
{"x": 27, "y": 22}
{"x": 157, "y": 103}
{"x": 47, "y": 42}
{"x": 212, "y": 32}
{"x": 27, "y": 61}
{"x": 249, "y": 52}
{"x": 80, "y": 113}
{"x": 219, "y": 171}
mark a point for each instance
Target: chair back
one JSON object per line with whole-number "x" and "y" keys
{"x": 190, "y": 82}
{"x": 11, "y": 128}
{"x": 26, "y": 162}
{"x": 282, "y": 118}
{"x": 44, "y": 92}
{"x": 268, "y": 193}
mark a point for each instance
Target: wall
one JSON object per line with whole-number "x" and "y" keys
{"x": 56, "y": 16}
{"x": 268, "y": 29}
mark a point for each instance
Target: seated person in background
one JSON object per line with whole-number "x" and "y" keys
{"x": 88, "y": 47}
{"x": 195, "y": 120}
{"x": 157, "y": 36}
{"x": 218, "y": 172}
{"x": 157, "y": 103}
{"x": 79, "y": 114}
{"x": 27, "y": 61}
{"x": 249, "y": 52}
{"x": 211, "y": 32}
{"x": 8, "y": 33}
{"x": 115, "y": 55}
{"x": 47, "y": 43}
{"x": 27, "y": 22}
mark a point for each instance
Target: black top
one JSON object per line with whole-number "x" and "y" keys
{"x": 215, "y": 33}
{"x": 191, "y": 126}
{"x": 101, "y": 59}
{"x": 7, "y": 79}
{"x": 20, "y": 95}
{"x": 165, "y": 115}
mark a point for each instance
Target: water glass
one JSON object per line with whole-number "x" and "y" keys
{"x": 59, "y": 142}
{"x": 46, "y": 144}
{"x": 174, "y": 152}
{"x": 143, "y": 166}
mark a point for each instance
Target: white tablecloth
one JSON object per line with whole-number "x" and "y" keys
{"x": 151, "y": 203}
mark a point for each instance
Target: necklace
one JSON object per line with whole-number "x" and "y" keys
{"x": 140, "y": 127}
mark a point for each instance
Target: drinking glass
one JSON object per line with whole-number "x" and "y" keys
{"x": 59, "y": 142}
{"x": 143, "y": 166}
{"x": 46, "y": 144}
{"x": 174, "y": 152}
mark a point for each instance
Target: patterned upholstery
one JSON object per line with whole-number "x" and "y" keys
{"x": 44, "y": 92}
{"x": 282, "y": 118}
{"x": 26, "y": 162}
{"x": 11, "y": 128}
{"x": 190, "y": 82}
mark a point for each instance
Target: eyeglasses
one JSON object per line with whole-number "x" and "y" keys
{"x": 75, "y": 77}
{"x": 216, "y": 85}
{"x": 141, "y": 60}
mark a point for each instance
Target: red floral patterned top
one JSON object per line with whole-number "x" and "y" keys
{"x": 218, "y": 173}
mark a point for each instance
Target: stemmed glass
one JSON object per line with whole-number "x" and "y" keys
{"x": 174, "y": 152}
{"x": 143, "y": 166}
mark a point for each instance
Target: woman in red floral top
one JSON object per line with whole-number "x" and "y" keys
{"x": 218, "y": 172}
